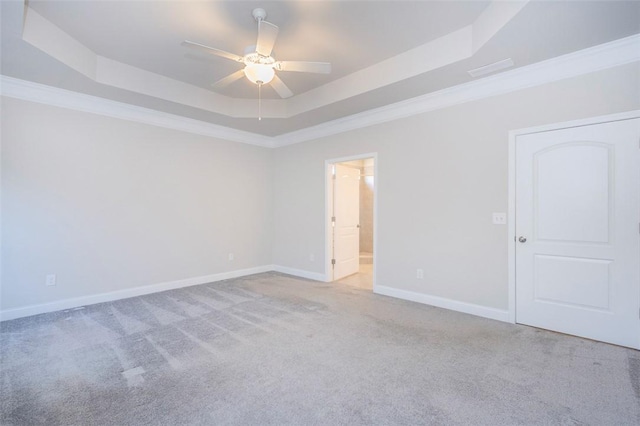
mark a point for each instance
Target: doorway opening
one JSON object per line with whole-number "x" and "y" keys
{"x": 351, "y": 202}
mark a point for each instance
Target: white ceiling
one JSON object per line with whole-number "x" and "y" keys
{"x": 381, "y": 51}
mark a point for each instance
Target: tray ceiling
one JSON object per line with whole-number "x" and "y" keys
{"x": 381, "y": 51}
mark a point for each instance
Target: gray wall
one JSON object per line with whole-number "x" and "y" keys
{"x": 108, "y": 204}
{"x": 440, "y": 176}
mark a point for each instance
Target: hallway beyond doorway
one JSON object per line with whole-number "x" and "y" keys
{"x": 363, "y": 279}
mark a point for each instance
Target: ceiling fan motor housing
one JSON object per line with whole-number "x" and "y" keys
{"x": 253, "y": 57}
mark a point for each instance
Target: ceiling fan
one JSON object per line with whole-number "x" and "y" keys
{"x": 259, "y": 66}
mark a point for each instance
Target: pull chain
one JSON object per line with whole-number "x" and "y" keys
{"x": 259, "y": 101}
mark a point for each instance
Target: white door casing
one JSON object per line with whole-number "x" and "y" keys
{"x": 577, "y": 269}
{"x": 346, "y": 228}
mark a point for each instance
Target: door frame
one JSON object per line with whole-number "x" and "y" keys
{"x": 511, "y": 212}
{"x": 328, "y": 191}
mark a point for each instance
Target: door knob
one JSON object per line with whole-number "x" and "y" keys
{"x": 522, "y": 239}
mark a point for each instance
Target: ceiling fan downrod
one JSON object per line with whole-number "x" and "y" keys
{"x": 259, "y": 14}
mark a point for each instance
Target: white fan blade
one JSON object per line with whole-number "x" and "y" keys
{"x": 267, "y": 34}
{"x": 224, "y": 82}
{"x": 281, "y": 88}
{"x": 212, "y": 50}
{"x": 301, "y": 66}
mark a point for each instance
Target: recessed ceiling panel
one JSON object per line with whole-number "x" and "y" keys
{"x": 352, "y": 35}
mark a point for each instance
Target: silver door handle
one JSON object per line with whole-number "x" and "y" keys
{"x": 522, "y": 239}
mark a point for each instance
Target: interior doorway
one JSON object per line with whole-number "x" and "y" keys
{"x": 351, "y": 206}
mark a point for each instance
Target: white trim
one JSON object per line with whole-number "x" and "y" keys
{"x": 441, "y": 302}
{"x": 491, "y": 68}
{"x": 435, "y": 54}
{"x": 627, "y": 115}
{"x": 376, "y": 197}
{"x": 511, "y": 228}
{"x": 328, "y": 233}
{"x": 48, "y": 95}
{"x": 75, "y": 302}
{"x": 511, "y": 235}
{"x": 316, "y": 276}
{"x": 608, "y": 55}
{"x": 604, "y": 56}
{"x": 450, "y": 48}
{"x": 327, "y": 213}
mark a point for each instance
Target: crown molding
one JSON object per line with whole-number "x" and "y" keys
{"x": 445, "y": 50}
{"x": 48, "y": 95}
{"x": 600, "y": 57}
{"x": 604, "y": 56}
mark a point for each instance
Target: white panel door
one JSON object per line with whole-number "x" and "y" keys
{"x": 577, "y": 235}
{"x": 346, "y": 231}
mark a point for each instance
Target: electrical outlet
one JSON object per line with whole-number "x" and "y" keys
{"x": 231, "y": 257}
{"x": 420, "y": 274}
{"x": 312, "y": 257}
{"x": 51, "y": 280}
{"x": 499, "y": 218}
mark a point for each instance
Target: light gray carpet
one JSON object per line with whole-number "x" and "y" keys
{"x": 273, "y": 349}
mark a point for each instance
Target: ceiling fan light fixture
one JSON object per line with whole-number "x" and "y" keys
{"x": 260, "y": 66}
{"x": 259, "y": 73}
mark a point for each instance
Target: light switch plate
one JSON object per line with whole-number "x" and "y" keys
{"x": 499, "y": 218}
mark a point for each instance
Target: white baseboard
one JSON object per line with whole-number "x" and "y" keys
{"x": 9, "y": 314}
{"x": 441, "y": 302}
{"x": 316, "y": 276}
{"x": 75, "y": 302}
